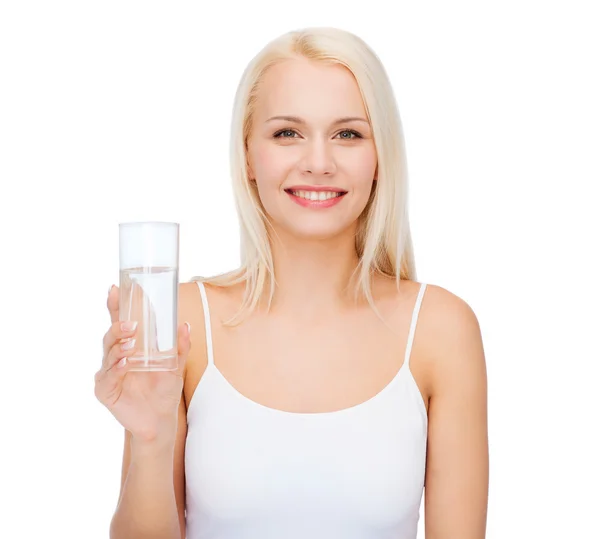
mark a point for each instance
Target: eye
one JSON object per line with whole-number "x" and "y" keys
{"x": 351, "y": 134}
{"x": 284, "y": 132}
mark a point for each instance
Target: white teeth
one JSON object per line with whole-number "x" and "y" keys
{"x": 314, "y": 195}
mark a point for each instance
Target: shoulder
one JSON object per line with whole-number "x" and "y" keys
{"x": 443, "y": 313}
{"x": 448, "y": 313}
{"x": 448, "y": 341}
{"x": 191, "y": 310}
{"x": 454, "y": 344}
{"x": 221, "y": 300}
{"x": 191, "y": 307}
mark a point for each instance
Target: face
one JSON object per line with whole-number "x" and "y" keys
{"x": 310, "y": 141}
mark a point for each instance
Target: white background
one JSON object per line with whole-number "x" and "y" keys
{"x": 117, "y": 111}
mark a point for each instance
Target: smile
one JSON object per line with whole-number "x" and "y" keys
{"x": 316, "y": 199}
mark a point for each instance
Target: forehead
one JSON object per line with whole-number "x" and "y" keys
{"x": 309, "y": 89}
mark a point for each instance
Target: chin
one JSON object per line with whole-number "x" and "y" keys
{"x": 317, "y": 232}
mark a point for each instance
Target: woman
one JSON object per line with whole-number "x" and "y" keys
{"x": 311, "y": 403}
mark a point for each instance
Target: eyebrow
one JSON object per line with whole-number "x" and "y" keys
{"x": 297, "y": 120}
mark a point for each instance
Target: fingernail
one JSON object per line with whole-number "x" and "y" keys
{"x": 122, "y": 363}
{"x": 128, "y": 345}
{"x": 189, "y": 328}
{"x": 129, "y": 325}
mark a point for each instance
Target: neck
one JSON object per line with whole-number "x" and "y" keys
{"x": 313, "y": 277}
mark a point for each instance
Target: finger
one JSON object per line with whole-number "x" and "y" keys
{"x": 184, "y": 344}
{"x": 112, "y": 303}
{"x": 118, "y": 331}
{"x": 122, "y": 348}
{"x": 107, "y": 382}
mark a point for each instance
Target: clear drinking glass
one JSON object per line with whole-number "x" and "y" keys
{"x": 149, "y": 290}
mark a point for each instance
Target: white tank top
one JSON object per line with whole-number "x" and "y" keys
{"x": 254, "y": 472}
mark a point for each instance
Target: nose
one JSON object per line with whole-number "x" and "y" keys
{"x": 318, "y": 159}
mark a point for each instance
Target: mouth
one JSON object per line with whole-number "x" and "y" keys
{"x": 316, "y": 199}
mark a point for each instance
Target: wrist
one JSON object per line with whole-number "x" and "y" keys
{"x": 159, "y": 447}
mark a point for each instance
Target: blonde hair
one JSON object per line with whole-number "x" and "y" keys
{"x": 383, "y": 239}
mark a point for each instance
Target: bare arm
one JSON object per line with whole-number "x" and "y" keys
{"x": 456, "y": 483}
{"x": 152, "y": 498}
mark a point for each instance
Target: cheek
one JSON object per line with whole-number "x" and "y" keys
{"x": 370, "y": 157}
{"x": 270, "y": 165}
{"x": 362, "y": 164}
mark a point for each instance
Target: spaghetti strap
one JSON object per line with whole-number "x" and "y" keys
{"x": 413, "y": 325}
{"x": 207, "y": 329}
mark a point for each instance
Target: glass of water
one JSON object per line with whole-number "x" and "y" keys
{"x": 148, "y": 291}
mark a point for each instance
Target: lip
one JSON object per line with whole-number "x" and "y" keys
{"x": 316, "y": 203}
{"x": 317, "y": 188}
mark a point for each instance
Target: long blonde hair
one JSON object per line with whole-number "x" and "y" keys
{"x": 383, "y": 238}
